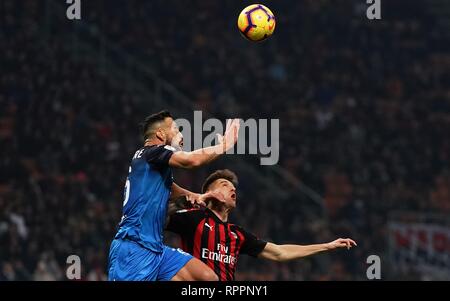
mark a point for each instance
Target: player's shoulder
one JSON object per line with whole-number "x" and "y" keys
{"x": 238, "y": 228}
{"x": 158, "y": 154}
{"x": 191, "y": 211}
{"x": 193, "y": 215}
{"x": 158, "y": 147}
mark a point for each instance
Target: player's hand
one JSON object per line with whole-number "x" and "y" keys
{"x": 230, "y": 137}
{"x": 199, "y": 200}
{"x": 213, "y": 195}
{"x": 195, "y": 200}
{"x": 341, "y": 243}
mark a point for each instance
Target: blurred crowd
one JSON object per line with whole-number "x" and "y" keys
{"x": 364, "y": 110}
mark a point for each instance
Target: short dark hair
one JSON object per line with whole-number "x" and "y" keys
{"x": 150, "y": 120}
{"x": 220, "y": 174}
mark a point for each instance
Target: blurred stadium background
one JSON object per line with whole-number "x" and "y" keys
{"x": 364, "y": 109}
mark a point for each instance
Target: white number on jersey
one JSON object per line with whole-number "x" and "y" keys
{"x": 127, "y": 192}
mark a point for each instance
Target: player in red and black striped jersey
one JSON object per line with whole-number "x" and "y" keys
{"x": 217, "y": 243}
{"x": 207, "y": 234}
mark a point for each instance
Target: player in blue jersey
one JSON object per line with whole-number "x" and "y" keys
{"x": 137, "y": 251}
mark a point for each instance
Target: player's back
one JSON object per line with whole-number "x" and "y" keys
{"x": 146, "y": 195}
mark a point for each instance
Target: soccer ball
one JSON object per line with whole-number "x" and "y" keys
{"x": 256, "y": 22}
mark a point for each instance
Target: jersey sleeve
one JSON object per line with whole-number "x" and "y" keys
{"x": 252, "y": 245}
{"x": 158, "y": 154}
{"x": 184, "y": 221}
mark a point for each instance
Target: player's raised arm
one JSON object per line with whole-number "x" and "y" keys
{"x": 290, "y": 252}
{"x": 205, "y": 155}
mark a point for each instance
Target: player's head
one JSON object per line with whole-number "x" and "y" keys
{"x": 223, "y": 181}
{"x": 161, "y": 128}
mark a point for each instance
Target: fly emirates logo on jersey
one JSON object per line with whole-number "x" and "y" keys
{"x": 219, "y": 256}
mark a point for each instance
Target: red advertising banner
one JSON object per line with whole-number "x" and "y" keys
{"x": 421, "y": 247}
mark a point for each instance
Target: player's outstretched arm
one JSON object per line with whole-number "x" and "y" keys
{"x": 290, "y": 252}
{"x": 205, "y": 155}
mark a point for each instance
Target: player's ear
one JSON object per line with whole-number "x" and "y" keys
{"x": 160, "y": 134}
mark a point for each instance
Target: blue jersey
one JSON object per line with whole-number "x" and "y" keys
{"x": 147, "y": 191}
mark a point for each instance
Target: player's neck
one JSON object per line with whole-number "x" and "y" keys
{"x": 221, "y": 213}
{"x": 153, "y": 141}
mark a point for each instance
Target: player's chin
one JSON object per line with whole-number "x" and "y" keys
{"x": 178, "y": 147}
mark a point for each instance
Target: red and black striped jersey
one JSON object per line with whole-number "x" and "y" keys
{"x": 216, "y": 243}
